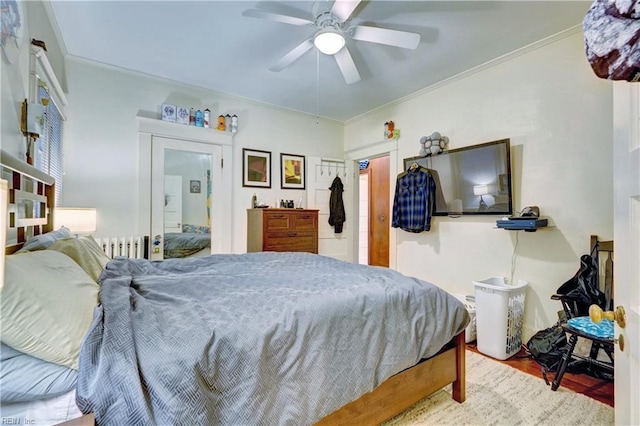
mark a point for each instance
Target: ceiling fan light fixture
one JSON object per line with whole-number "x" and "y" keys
{"x": 329, "y": 41}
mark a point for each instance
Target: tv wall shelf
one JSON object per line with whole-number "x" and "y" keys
{"x": 528, "y": 224}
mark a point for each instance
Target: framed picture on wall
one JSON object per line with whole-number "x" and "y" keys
{"x": 256, "y": 168}
{"x": 292, "y": 171}
{"x": 194, "y": 186}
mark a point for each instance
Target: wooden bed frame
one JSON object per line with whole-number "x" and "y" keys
{"x": 395, "y": 395}
{"x": 391, "y": 398}
{"x": 406, "y": 388}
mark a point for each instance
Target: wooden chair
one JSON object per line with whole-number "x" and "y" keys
{"x": 577, "y": 325}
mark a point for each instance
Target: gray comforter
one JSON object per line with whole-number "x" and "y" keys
{"x": 259, "y": 338}
{"x": 184, "y": 244}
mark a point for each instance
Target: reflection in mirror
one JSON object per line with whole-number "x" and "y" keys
{"x": 187, "y": 204}
{"x": 471, "y": 180}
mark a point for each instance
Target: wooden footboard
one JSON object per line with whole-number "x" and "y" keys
{"x": 406, "y": 388}
{"x": 396, "y": 394}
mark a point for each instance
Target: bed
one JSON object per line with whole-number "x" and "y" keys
{"x": 258, "y": 338}
{"x": 179, "y": 245}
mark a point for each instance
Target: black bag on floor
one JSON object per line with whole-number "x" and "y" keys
{"x": 547, "y": 347}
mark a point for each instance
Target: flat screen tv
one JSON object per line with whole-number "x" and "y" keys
{"x": 472, "y": 180}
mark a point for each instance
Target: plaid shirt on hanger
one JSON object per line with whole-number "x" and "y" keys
{"x": 414, "y": 201}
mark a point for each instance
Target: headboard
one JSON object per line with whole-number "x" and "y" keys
{"x": 30, "y": 201}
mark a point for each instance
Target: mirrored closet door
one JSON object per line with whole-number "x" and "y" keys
{"x": 186, "y": 212}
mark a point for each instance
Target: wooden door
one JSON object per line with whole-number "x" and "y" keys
{"x": 626, "y": 240}
{"x": 379, "y": 211}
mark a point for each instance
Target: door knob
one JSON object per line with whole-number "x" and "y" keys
{"x": 620, "y": 342}
{"x": 597, "y": 314}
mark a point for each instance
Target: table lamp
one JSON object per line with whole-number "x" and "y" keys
{"x": 78, "y": 220}
{"x": 481, "y": 190}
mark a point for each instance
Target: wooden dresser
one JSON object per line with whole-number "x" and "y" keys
{"x": 282, "y": 230}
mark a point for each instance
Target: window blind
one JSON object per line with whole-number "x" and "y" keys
{"x": 49, "y": 144}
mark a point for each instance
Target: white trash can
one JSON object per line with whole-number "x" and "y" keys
{"x": 470, "y": 331}
{"x": 499, "y": 316}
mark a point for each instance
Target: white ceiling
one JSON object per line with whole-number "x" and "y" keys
{"x": 211, "y": 45}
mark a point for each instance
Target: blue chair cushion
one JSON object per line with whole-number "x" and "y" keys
{"x": 601, "y": 330}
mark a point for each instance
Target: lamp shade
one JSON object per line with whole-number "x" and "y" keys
{"x": 329, "y": 41}
{"x": 480, "y": 190}
{"x": 76, "y": 219}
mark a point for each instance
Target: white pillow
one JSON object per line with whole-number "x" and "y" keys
{"x": 85, "y": 251}
{"x": 46, "y": 306}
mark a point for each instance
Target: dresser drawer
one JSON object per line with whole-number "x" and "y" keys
{"x": 277, "y": 222}
{"x": 304, "y": 222}
{"x": 291, "y": 241}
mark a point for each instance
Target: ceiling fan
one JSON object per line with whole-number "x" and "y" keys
{"x": 333, "y": 27}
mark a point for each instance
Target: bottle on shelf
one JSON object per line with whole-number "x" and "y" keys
{"x": 199, "y": 119}
{"x": 221, "y": 123}
{"x": 254, "y": 201}
{"x": 234, "y": 123}
{"x": 192, "y": 117}
{"x": 227, "y": 120}
{"x": 207, "y": 118}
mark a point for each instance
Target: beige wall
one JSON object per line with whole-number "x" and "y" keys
{"x": 558, "y": 116}
{"x": 101, "y": 141}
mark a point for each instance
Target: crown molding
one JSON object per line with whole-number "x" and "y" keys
{"x": 475, "y": 70}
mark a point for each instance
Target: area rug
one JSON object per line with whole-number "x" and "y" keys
{"x": 501, "y": 395}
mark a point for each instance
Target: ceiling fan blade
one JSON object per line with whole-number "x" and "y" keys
{"x": 254, "y": 13}
{"x": 386, "y": 36}
{"x": 291, "y": 57}
{"x": 342, "y": 9}
{"x": 347, "y": 66}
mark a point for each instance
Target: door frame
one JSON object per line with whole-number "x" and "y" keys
{"x": 366, "y": 172}
{"x": 376, "y": 149}
{"x": 626, "y": 238}
{"x": 372, "y": 218}
{"x": 151, "y": 127}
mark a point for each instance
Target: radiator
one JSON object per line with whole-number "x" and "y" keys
{"x": 131, "y": 247}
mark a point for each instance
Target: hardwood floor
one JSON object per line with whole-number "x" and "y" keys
{"x": 601, "y": 390}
